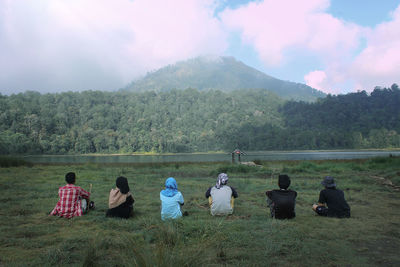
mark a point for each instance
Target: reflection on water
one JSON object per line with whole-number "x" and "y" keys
{"x": 225, "y": 157}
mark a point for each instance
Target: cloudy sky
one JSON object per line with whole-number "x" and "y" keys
{"x": 337, "y": 46}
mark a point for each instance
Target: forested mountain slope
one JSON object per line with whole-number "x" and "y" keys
{"x": 221, "y": 73}
{"x": 191, "y": 120}
{"x": 94, "y": 121}
{"x": 355, "y": 120}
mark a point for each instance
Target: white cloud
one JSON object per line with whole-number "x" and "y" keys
{"x": 50, "y": 45}
{"x": 316, "y": 79}
{"x": 277, "y": 28}
{"x": 272, "y": 27}
{"x": 379, "y": 63}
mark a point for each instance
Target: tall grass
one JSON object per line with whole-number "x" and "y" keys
{"x": 249, "y": 237}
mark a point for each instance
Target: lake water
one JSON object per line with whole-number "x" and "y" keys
{"x": 224, "y": 157}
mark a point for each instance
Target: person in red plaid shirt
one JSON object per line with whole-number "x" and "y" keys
{"x": 73, "y": 199}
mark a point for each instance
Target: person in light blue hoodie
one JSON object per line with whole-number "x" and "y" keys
{"x": 171, "y": 200}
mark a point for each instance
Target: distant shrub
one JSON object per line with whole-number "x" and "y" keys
{"x": 234, "y": 168}
{"x": 383, "y": 162}
{"x": 6, "y": 162}
{"x": 357, "y": 167}
{"x": 303, "y": 167}
{"x": 309, "y": 166}
{"x": 396, "y": 179}
{"x": 257, "y": 161}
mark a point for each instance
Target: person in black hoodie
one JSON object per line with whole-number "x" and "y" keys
{"x": 120, "y": 202}
{"x": 282, "y": 201}
{"x": 331, "y": 201}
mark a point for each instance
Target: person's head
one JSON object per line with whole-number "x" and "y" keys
{"x": 122, "y": 184}
{"x": 70, "y": 178}
{"x": 171, "y": 183}
{"x": 222, "y": 180}
{"x": 171, "y": 187}
{"x": 283, "y": 181}
{"x": 328, "y": 182}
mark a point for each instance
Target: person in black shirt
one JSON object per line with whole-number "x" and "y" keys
{"x": 120, "y": 201}
{"x": 282, "y": 201}
{"x": 331, "y": 201}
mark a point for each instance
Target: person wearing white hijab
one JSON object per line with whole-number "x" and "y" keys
{"x": 221, "y": 196}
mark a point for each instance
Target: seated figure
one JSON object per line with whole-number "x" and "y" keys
{"x": 282, "y": 201}
{"x": 73, "y": 200}
{"x": 171, "y": 200}
{"x": 331, "y": 201}
{"x": 221, "y": 196}
{"x": 120, "y": 201}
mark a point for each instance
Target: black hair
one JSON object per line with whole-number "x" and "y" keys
{"x": 70, "y": 178}
{"x": 122, "y": 184}
{"x": 284, "y": 181}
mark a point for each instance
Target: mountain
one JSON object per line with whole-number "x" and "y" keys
{"x": 222, "y": 73}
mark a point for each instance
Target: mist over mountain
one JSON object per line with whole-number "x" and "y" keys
{"x": 221, "y": 73}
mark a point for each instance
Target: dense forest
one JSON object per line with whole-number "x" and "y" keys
{"x": 191, "y": 121}
{"x": 355, "y": 120}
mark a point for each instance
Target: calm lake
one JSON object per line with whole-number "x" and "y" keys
{"x": 249, "y": 156}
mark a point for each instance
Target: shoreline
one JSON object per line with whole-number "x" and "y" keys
{"x": 211, "y": 152}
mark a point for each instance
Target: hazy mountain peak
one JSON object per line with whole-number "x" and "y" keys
{"x": 209, "y": 59}
{"x": 222, "y": 73}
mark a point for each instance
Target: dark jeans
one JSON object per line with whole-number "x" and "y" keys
{"x": 322, "y": 210}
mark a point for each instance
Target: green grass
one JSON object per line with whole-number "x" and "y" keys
{"x": 249, "y": 237}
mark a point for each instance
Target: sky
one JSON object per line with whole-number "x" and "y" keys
{"x": 336, "y": 46}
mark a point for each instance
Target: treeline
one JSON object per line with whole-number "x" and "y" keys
{"x": 124, "y": 122}
{"x": 191, "y": 120}
{"x": 354, "y": 120}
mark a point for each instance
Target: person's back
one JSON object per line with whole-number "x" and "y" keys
{"x": 171, "y": 200}
{"x": 337, "y": 205}
{"x": 221, "y": 196}
{"x": 282, "y": 202}
{"x": 331, "y": 201}
{"x": 170, "y": 206}
{"x": 221, "y": 200}
{"x": 120, "y": 201}
{"x": 70, "y": 199}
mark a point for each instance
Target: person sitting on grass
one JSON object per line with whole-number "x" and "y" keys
{"x": 282, "y": 202}
{"x": 221, "y": 196}
{"x": 73, "y": 199}
{"x": 331, "y": 201}
{"x": 171, "y": 200}
{"x": 120, "y": 201}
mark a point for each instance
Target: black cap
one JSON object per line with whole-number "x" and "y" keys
{"x": 328, "y": 182}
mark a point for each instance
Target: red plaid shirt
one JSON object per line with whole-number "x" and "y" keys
{"x": 69, "y": 204}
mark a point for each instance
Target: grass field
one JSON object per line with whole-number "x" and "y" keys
{"x": 249, "y": 237}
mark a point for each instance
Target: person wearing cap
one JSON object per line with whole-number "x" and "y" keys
{"x": 221, "y": 196}
{"x": 171, "y": 200}
{"x": 73, "y": 200}
{"x": 282, "y": 201}
{"x": 120, "y": 201}
{"x": 331, "y": 201}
